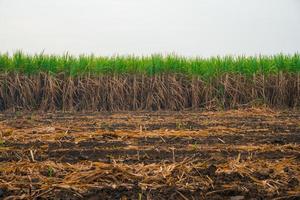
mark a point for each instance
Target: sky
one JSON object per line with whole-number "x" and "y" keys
{"x": 143, "y": 27}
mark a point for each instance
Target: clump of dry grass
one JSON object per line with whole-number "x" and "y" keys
{"x": 45, "y": 179}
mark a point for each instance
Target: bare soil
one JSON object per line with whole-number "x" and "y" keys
{"x": 238, "y": 154}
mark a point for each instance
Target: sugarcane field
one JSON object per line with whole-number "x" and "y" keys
{"x": 150, "y": 100}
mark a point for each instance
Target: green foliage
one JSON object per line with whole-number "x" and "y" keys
{"x": 50, "y": 172}
{"x": 148, "y": 65}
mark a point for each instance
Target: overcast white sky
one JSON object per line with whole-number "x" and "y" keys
{"x": 185, "y": 27}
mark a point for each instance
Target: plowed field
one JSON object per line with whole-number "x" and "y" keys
{"x": 240, "y": 154}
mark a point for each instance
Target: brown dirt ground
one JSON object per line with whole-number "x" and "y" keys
{"x": 239, "y": 154}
